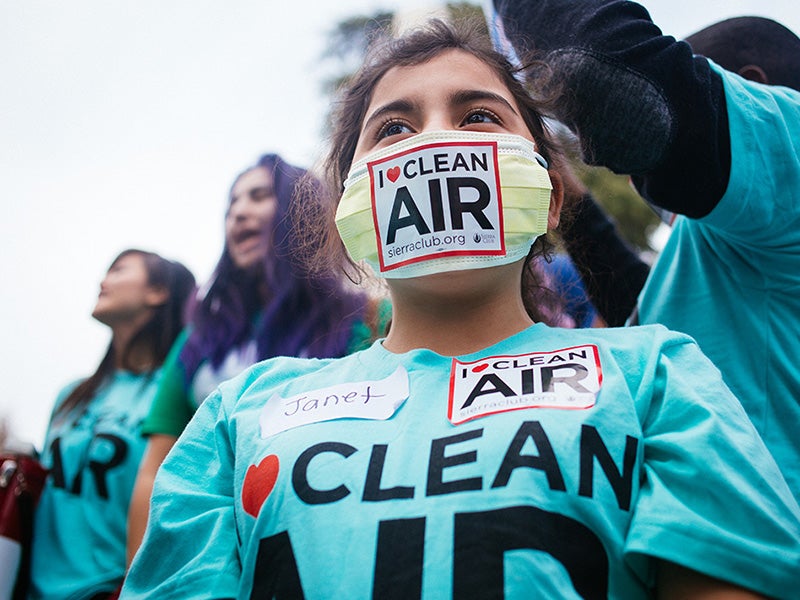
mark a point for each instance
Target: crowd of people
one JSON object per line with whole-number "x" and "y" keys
{"x": 482, "y": 423}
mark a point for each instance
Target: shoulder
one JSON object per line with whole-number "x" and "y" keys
{"x": 637, "y": 351}
{"x": 276, "y": 375}
{"x": 764, "y": 120}
{"x": 181, "y": 340}
{"x": 124, "y": 388}
{"x": 759, "y": 205}
{"x": 645, "y": 337}
{"x": 64, "y": 393}
{"x": 67, "y": 389}
{"x": 750, "y": 95}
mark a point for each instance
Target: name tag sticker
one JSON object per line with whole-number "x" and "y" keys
{"x": 442, "y": 199}
{"x": 373, "y": 400}
{"x": 563, "y": 379}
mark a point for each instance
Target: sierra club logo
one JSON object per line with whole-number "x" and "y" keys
{"x": 437, "y": 200}
{"x": 567, "y": 379}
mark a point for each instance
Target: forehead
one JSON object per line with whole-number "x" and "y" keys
{"x": 255, "y": 177}
{"x": 449, "y": 70}
{"x": 133, "y": 259}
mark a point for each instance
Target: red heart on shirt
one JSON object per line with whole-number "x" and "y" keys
{"x": 480, "y": 368}
{"x": 393, "y": 174}
{"x": 259, "y": 482}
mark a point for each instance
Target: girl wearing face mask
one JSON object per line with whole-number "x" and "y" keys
{"x": 262, "y": 302}
{"x": 93, "y": 444}
{"x": 474, "y": 452}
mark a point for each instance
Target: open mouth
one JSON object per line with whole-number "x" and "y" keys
{"x": 244, "y": 235}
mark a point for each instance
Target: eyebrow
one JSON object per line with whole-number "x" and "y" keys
{"x": 396, "y": 106}
{"x": 268, "y": 189}
{"x": 467, "y": 96}
{"x": 255, "y": 190}
{"x": 404, "y": 106}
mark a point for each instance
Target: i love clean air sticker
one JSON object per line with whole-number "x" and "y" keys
{"x": 374, "y": 400}
{"x": 441, "y": 199}
{"x": 564, "y": 379}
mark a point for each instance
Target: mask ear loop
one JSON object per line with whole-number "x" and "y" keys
{"x": 541, "y": 160}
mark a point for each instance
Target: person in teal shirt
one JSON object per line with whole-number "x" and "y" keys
{"x": 262, "y": 301}
{"x": 721, "y": 138}
{"x": 93, "y": 443}
{"x": 474, "y": 452}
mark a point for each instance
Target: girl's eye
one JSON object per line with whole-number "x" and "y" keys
{"x": 481, "y": 116}
{"x": 391, "y": 128}
{"x": 261, "y": 193}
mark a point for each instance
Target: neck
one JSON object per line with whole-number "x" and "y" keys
{"x": 451, "y": 321}
{"x": 140, "y": 358}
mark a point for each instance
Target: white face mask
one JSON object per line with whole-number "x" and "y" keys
{"x": 445, "y": 201}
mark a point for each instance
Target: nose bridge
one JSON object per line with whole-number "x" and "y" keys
{"x": 106, "y": 280}
{"x": 438, "y": 119}
{"x": 239, "y": 207}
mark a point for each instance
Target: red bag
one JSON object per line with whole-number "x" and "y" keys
{"x": 21, "y": 481}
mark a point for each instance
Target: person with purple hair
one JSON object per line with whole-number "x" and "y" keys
{"x": 262, "y": 302}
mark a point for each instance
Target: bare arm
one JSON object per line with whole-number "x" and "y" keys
{"x": 679, "y": 583}
{"x": 158, "y": 446}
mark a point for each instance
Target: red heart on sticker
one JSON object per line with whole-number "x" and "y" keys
{"x": 393, "y": 174}
{"x": 258, "y": 484}
{"x": 480, "y": 368}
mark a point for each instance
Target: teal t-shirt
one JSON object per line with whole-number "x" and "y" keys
{"x": 554, "y": 464}
{"x": 732, "y": 279}
{"x": 175, "y": 402}
{"x": 80, "y": 526}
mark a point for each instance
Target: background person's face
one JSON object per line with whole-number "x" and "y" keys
{"x": 125, "y": 294}
{"x": 252, "y": 208}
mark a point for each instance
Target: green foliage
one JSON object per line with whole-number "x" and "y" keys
{"x": 467, "y": 10}
{"x": 347, "y": 44}
{"x": 634, "y": 218}
{"x": 349, "y": 40}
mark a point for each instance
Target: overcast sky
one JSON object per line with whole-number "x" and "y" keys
{"x": 123, "y": 124}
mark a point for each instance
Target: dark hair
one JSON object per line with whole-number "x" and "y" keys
{"x": 752, "y": 41}
{"x": 306, "y": 313}
{"x": 156, "y": 336}
{"x": 414, "y": 48}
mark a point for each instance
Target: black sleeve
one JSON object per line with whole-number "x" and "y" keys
{"x": 641, "y": 103}
{"x": 612, "y": 273}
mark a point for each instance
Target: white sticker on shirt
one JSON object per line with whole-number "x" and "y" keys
{"x": 567, "y": 379}
{"x": 373, "y": 400}
{"x": 442, "y": 199}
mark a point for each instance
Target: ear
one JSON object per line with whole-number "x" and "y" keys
{"x": 754, "y": 73}
{"x": 156, "y": 296}
{"x": 556, "y": 200}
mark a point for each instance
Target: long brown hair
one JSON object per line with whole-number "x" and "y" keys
{"x": 156, "y": 336}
